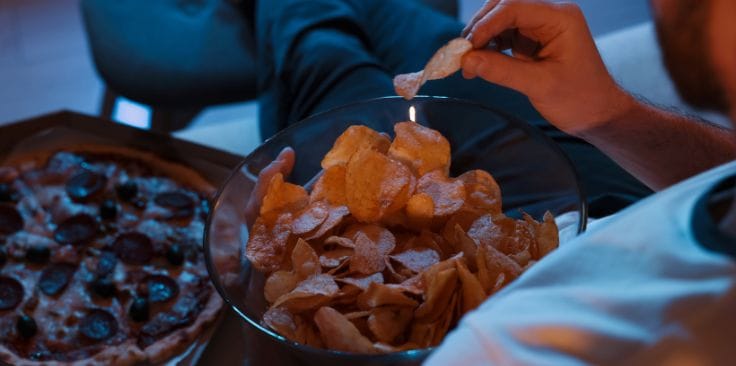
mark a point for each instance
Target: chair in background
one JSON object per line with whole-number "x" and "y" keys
{"x": 177, "y": 56}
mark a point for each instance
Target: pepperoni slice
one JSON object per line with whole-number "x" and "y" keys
{"x": 174, "y": 200}
{"x": 85, "y": 185}
{"x": 10, "y": 220}
{"x": 11, "y": 293}
{"x": 76, "y": 230}
{"x": 55, "y": 278}
{"x": 181, "y": 205}
{"x": 98, "y": 325}
{"x": 133, "y": 248}
{"x": 161, "y": 288}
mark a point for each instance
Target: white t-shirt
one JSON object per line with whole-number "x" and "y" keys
{"x": 636, "y": 289}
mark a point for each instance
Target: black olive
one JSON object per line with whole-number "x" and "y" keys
{"x": 10, "y": 220}
{"x": 133, "y": 248}
{"x": 127, "y": 191}
{"x": 104, "y": 287}
{"x": 79, "y": 229}
{"x": 26, "y": 326}
{"x": 175, "y": 255}
{"x": 108, "y": 210}
{"x": 139, "y": 203}
{"x": 38, "y": 254}
{"x": 139, "y": 309}
{"x": 6, "y": 195}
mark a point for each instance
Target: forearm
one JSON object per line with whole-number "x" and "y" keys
{"x": 660, "y": 147}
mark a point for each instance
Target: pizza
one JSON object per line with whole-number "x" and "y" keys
{"x": 101, "y": 258}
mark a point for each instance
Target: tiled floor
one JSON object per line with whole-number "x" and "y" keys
{"x": 44, "y": 62}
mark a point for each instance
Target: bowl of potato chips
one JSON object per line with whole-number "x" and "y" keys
{"x": 388, "y": 221}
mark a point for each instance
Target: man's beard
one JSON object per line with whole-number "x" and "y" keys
{"x": 686, "y": 55}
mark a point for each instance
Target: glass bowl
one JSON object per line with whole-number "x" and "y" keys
{"x": 533, "y": 173}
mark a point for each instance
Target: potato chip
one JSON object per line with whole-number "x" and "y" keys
{"x": 407, "y": 85}
{"x": 446, "y": 61}
{"x": 522, "y": 258}
{"x": 463, "y": 243}
{"x": 417, "y": 260}
{"x": 472, "y": 290}
{"x": 378, "y": 235}
{"x": 486, "y": 278}
{"x": 330, "y": 186}
{"x": 348, "y": 295}
{"x": 281, "y": 321}
{"x": 357, "y": 314}
{"x": 547, "y": 235}
{"x": 421, "y": 148}
{"x": 387, "y": 323}
{"x": 335, "y": 257}
{"x": 334, "y": 218}
{"x": 278, "y": 284}
{"x": 381, "y": 295}
{"x": 283, "y": 197}
{"x": 368, "y": 258}
{"x": 355, "y": 139}
{"x": 341, "y": 241}
{"x": 482, "y": 191}
{"x": 445, "y": 321}
{"x": 379, "y": 186}
{"x": 438, "y": 295}
{"x": 400, "y": 275}
{"x": 308, "y": 294}
{"x": 503, "y": 233}
{"x": 498, "y": 263}
{"x": 304, "y": 260}
{"x": 267, "y": 243}
{"x": 339, "y": 333}
{"x": 422, "y": 333}
{"x": 448, "y": 195}
{"x": 465, "y": 217}
{"x": 421, "y": 281}
{"x": 310, "y": 218}
{"x": 420, "y": 209}
{"x": 308, "y": 334}
{"x": 362, "y": 282}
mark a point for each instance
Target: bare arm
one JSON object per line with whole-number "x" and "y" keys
{"x": 556, "y": 64}
{"x": 660, "y": 147}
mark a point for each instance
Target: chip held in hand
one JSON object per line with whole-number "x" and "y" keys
{"x": 445, "y": 62}
{"x": 387, "y": 251}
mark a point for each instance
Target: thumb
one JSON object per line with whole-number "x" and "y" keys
{"x": 498, "y": 68}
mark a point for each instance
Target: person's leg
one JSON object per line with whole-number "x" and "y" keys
{"x": 319, "y": 54}
{"x": 315, "y": 55}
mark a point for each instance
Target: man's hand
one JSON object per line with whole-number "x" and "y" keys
{"x": 554, "y": 61}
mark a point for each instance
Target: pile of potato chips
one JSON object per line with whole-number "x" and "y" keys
{"x": 387, "y": 252}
